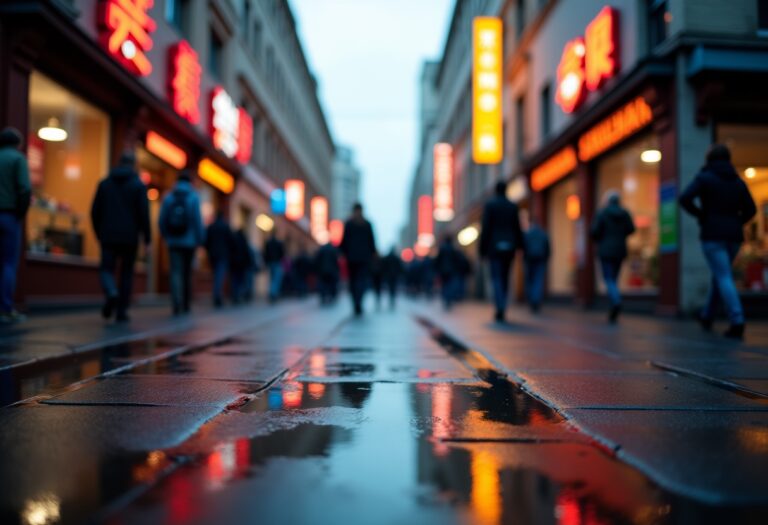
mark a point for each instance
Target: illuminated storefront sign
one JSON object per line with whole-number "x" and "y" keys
{"x": 294, "y": 199}
{"x": 487, "y": 137}
{"x": 244, "y": 136}
{"x": 124, "y": 30}
{"x": 426, "y": 225}
{"x": 588, "y": 62}
{"x": 573, "y": 207}
{"x": 166, "y": 150}
{"x": 184, "y": 74}
{"x": 318, "y": 219}
{"x": 336, "y": 231}
{"x": 628, "y": 120}
{"x": 216, "y": 176}
{"x": 277, "y": 201}
{"x": 554, "y": 168}
{"x": 443, "y": 182}
{"x": 231, "y": 127}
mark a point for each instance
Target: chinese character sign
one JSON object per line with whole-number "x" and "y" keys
{"x": 244, "y": 136}
{"x": 571, "y": 91}
{"x": 487, "y": 138}
{"x": 443, "y": 182}
{"x": 426, "y": 229}
{"x": 225, "y": 123}
{"x": 184, "y": 81}
{"x": 124, "y": 30}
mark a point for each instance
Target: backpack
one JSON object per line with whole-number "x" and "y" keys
{"x": 177, "y": 221}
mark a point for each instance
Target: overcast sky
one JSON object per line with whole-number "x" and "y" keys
{"x": 367, "y": 56}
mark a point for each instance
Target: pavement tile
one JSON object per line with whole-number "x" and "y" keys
{"x": 758, "y": 385}
{"x": 260, "y": 368}
{"x": 730, "y": 369}
{"x": 532, "y": 358}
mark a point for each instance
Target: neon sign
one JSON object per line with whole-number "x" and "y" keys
{"x": 487, "y": 136}
{"x": 231, "y": 126}
{"x": 425, "y": 226}
{"x": 318, "y": 219}
{"x": 554, "y": 168}
{"x": 607, "y": 133}
{"x": 124, "y": 30}
{"x": 184, "y": 75}
{"x": 443, "y": 186}
{"x": 294, "y": 199}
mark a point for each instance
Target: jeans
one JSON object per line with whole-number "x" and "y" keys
{"x": 110, "y": 255}
{"x": 358, "y": 283}
{"x": 450, "y": 289}
{"x": 237, "y": 283}
{"x": 500, "y": 267}
{"x": 275, "y": 279}
{"x": 219, "y": 274}
{"x": 10, "y": 248}
{"x": 611, "y": 269}
{"x": 181, "y": 278}
{"x": 535, "y": 271}
{"x": 720, "y": 256}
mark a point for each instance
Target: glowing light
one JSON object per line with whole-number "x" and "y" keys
{"x": 277, "y": 201}
{"x": 128, "y": 49}
{"x": 225, "y": 122}
{"x": 443, "y": 182}
{"x": 750, "y": 173}
{"x": 293, "y": 394}
{"x": 166, "y": 150}
{"x": 573, "y": 207}
{"x": 153, "y": 194}
{"x": 336, "y": 232}
{"x": 487, "y": 91}
{"x": 650, "y": 156}
{"x": 468, "y": 235}
{"x": 294, "y": 199}
{"x": 185, "y": 73}
{"x": 485, "y": 497}
{"x": 442, "y": 397}
{"x": 124, "y": 30}
{"x": 52, "y": 131}
{"x": 146, "y": 177}
{"x": 602, "y": 48}
{"x": 570, "y": 91}
{"x": 554, "y": 168}
{"x": 216, "y": 176}
{"x": 425, "y": 218}
{"x": 421, "y": 250}
{"x": 43, "y": 510}
{"x": 264, "y": 222}
{"x": 318, "y": 219}
{"x": 244, "y": 136}
{"x": 628, "y": 120}
{"x": 517, "y": 190}
{"x": 406, "y": 255}
{"x": 316, "y": 390}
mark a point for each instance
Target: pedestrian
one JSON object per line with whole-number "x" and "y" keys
{"x": 252, "y": 272}
{"x": 15, "y": 195}
{"x": 120, "y": 216}
{"x": 181, "y": 225}
{"x": 537, "y": 252}
{"x": 218, "y": 245}
{"x": 377, "y": 279}
{"x": 274, "y": 252}
{"x": 465, "y": 270}
{"x": 302, "y": 267}
{"x": 240, "y": 260}
{"x": 359, "y": 248}
{"x": 391, "y": 270}
{"x": 724, "y": 207}
{"x": 448, "y": 269}
{"x": 500, "y": 238}
{"x": 327, "y": 268}
{"x": 610, "y": 229}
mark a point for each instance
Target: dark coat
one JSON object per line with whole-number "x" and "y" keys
{"x": 725, "y": 204}
{"x": 274, "y": 251}
{"x": 120, "y": 209}
{"x": 447, "y": 261}
{"x": 537, "y": 247}
{"x": 15, "y": 187}
{"x": 327, "y": 261}
{"x": 501, "y": 232}
{"x": 391, "y": 267}
{"x": 241, "y": 257}
{"x": 218, "y": 240}
{"x": 358, "y": 244}
{"x": 610, "y": 230}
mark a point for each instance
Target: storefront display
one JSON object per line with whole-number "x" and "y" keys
{"x": 561, "y": 224}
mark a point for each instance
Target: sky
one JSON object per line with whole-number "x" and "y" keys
{"x": 367, "y": 56}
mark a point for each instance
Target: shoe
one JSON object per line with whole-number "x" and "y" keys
{"x": 109, "y": 307}
{"x": 499, "y": 317}
{"x": 704, "y": 322}
{"x": 613, "y": 315}
{"x": 735, "y": 331}
{"x": 12, "y": 317}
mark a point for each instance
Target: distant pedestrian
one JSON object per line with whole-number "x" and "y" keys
{"x": 274, "y": 253}
{"x": 724, "y": 207}
{"x": 610, "y": 229}
{"x": 120, "y": 216}
{"x": 240, "y": 261}
{"x": 500, "y": 238}
{"x": 218, "y": 245}
{"x": 359, "y": 247}
{"x": 448, "y": 269}
{"x": 391, "y": 270}
{"x": 327, "y": 269}
{"x": 15, "y": 194}
{"x": 377, "y": 279}
{"x": 301, "y": 270}
{"x": 181, "y": 225}
{"x": 251, "y": 273}
{"x": 537, "y": 251}
{"x": 465, "y": 270}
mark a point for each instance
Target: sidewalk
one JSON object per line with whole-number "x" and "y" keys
{"x": 687, "y": 408}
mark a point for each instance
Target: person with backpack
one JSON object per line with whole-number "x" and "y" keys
{"x": 218, "y": 245}
{"x": 181, "y": 225}
{"x": 724, "y": 207}
{"x": 537, "y": 251}
{"x": 120, "y": 215}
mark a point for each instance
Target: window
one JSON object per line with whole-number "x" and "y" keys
{"x": 546, "y": 111}
{"x": 176, "y": 12}
{"x": 659, "y": 19}
{"x": 762, "y": 16}
{"x": 257, "y": 40}
{"x": 215, "y": 54}
{"x": 520, "y": 127}
{"x": 245, "y": 21}
{"x": 519, "y": 18}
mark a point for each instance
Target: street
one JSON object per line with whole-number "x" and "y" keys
{"x": 298, "y": 414}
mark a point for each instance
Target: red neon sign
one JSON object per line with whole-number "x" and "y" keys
{"x": 184, "y": 81}
{"x": 336, "y": 230}
{"x": 124, "y": 30}
{"x": 443, "y": 182}
{"x": 588, "y": 62}
{"x": 294, "y": 199}
{"x": 244, "y": 136}
{"x": 426, "y": 226}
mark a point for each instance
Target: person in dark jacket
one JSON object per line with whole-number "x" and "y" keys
{"x": 15, "y": 193}
{"x": 465, "y": 270}
{"x": 301, "y": 269}
{"x": 537, "y": 252}
{"x": 181, "y": 225}
{"x": 327, "y": 268}
{"x": 500, "y": 238}
{"x": 240, "y": 262}
{"x": 724, "y": 207}
{"x": 274, "y": 253}
{"x": 218, "y": 245}
{"x": 391, "y": 269}
{"x": 120, "y": 215}
{"x": 448, "y": 268}
{"x": 610, "y": 229}
{"x": 377, "y": 279}
{"x": 359, "y": 248}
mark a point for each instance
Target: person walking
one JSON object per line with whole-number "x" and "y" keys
{"x": 120, "y": 216}
{"x": 181, "y": 225}
{"x": 301, "y": 269}
{"x": 327, "y": 267}
{"x": 15, "y": 195}
{"x": 218, "y": 245}
{"x": 391, "y": 270}
{"x": 448, "y": 269}
{"x": 610, "y": 229}
{"x": 241, "y": 260}
{"x": 724, "y": 207}
{"x": 537, "y": 252}
{"x": 377, "y": 279}
{"x": 359, "y": 247}
{"x": 500, "y": 238}
{"x": 274, "y": 252}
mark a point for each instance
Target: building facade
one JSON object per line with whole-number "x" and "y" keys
{"x": 219, "y": 87}
{"x": 345, "y": 187}
{"x": 629, "y": 95}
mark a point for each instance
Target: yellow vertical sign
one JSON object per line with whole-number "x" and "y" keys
{"x": 487, "y": 134}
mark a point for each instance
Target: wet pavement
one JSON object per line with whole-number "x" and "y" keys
{"x": 305, "y": 415}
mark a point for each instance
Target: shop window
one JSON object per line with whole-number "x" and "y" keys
{"x": 637, "y": 181}
{"x": 177, "y": 14}
{"x": 561, "y": 225}
{"x": 750, "y": 157}
{"x": 68, "y": 148}
{"x": 216, "y": 55}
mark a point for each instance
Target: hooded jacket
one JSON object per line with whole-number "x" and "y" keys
{"x": 195, "y": 234}
{"x": 610, "y": 230}
{"x": 15, "y": 188}
{"x": 725, "y": 204}
{"x": 120, "y": 210}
